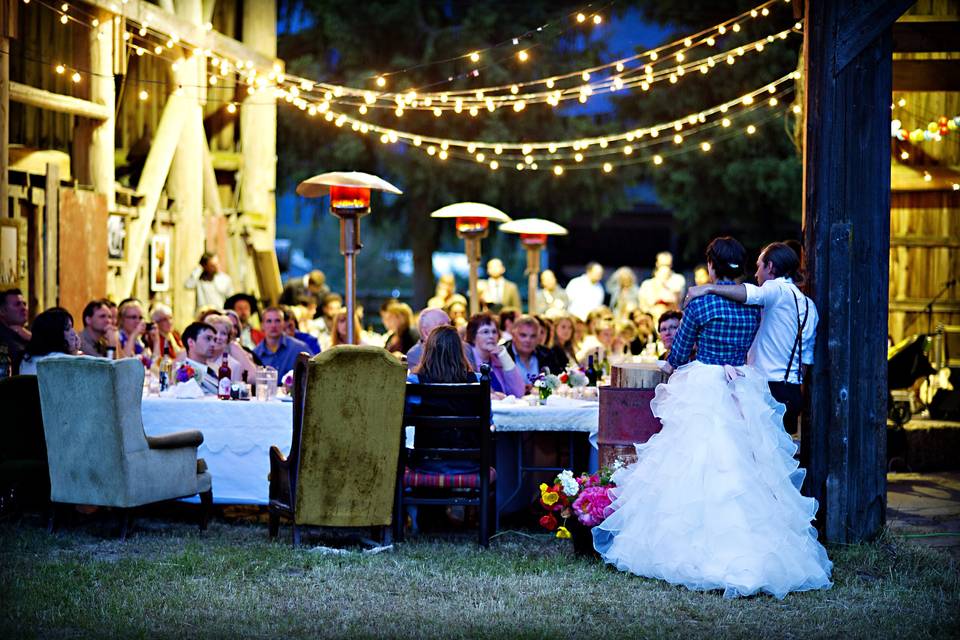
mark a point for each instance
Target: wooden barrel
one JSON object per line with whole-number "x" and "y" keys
{"x": 625, "y": 415}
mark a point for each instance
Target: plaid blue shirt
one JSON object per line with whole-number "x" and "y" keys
{"x": 721, "y": 329}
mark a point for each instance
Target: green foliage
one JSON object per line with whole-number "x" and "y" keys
{"x": 352, "y": 42}
{"x": 748, "y": 186}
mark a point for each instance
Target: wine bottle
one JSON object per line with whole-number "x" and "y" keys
{"x": 591, "y": 372}
{"x": 223, "y": 379}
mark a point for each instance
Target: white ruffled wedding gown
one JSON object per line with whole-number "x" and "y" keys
{"x": 713, "y": 501}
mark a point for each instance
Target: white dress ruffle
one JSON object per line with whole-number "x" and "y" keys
{"x": 713, "y": 501}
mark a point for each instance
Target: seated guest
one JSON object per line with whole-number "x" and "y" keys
{"x": 238, "y": 359}
{"x": 132, "y": 328}
{"x": 312, "y": 285}
{"x": 624, "y": 335}
{"x": 484, "y": 338}
{"x": 507, "y": 317}
{"x": 13, "y": 334}
{"x": 563, "y": 345}
{"x": 430, "y": 319}
{"x": 166, "y": 340}
{"x": 200, "y": 339}
{"x": 99, "y": 333}
{"x": 446, "y": 289}
{"x": 669, "y": 324}
{"x": 292, "y": 329}
{"x": 646, "y": 332}
{"x": 278, "y": 350}
{"x": 456, "y": 308}
{"x": 398, "y": 318}
{"x": 546, "y": 330}
{"x": 340, "y": 330}
{"x": 530, "y": 357}
{"x": 53, "y": 335}
{"x": 323, "y": 326}
{"x": 598, "y": 344}
{"x": 245, "y": 306}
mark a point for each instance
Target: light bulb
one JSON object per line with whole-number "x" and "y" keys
{"x": 581, "y": 17}
{"x": 60, "y": 68}
{"x": 751, "y": 130}
{"x": 725, "y": 122}
{"x": 494, "y": 165}
{"x": 381, "y": 81}
{"x": 607, "y": 167}
{"x": 657, "y": 160}
{"x": 523, "y": 56}
{"x": 474, "y": 57}
{"x": 578, "y": 157}
{"x": 705, "y": 146}
{"x": 143, "y": 95}
{"x": 677, "y": 139}
{"x": 597, "y": 19}
{"x": 558, "y": 170}
{"x": 75, "y": 77}
{"x": 481, "y": 157}
{"x": 231, "y": 108}
{"x": 627, "y": 150}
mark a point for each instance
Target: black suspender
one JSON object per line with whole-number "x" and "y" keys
{"x": 798, "y": 341}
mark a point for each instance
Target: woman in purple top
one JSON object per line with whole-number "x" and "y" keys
{"x": 484, "y": 336}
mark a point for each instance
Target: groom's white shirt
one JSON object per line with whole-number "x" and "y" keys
{"x": 771, "y": 348}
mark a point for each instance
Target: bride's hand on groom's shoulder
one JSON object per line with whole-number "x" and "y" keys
{"x": 695, "y": 292}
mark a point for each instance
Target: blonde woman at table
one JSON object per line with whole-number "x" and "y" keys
{"x": 238, "y": 359}
{"x": 340, "y": 330}
{"x": 484, "y": 337}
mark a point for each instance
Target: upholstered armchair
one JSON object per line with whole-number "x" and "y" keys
{"x": 23, "y": 456}
{"x": 341, "y": 471}
{"x": 97, "y": 450}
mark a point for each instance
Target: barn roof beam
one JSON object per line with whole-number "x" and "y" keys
{"x": 195, "y": 35}
{"x": 926, "y": 34}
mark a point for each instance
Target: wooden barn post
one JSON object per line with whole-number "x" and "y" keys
{"x": 846, "y": 203}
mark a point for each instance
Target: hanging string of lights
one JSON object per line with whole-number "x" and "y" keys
{"x": 141, "y": 39}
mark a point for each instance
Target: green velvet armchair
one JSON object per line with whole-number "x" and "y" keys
{"x": 96, "y": 447}
{"x": 341, "y": 471}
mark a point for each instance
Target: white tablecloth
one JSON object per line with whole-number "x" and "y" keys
{"x": 236, "y": 439}
{"x": 238, "y": 435}
{"x": 559, "y": 414}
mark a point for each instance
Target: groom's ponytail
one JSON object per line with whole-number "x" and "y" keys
{"x": 786, "y": 262}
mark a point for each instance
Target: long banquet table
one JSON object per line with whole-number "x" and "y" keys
{"x": 238, "y": 435}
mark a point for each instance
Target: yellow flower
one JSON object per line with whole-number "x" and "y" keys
{"x": 563, "y": 533}
{"x": 543, "y": 487}
{"x": 550, "y": 498}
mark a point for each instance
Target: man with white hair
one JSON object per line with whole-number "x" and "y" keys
{"x": 429, "y": 320}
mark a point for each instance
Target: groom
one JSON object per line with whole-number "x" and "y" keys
{"x": 788, "y": 325}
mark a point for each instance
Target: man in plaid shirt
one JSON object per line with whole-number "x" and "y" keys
{"x": 722, "y": 330}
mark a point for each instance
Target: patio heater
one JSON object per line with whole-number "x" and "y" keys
{"x": 473, "y": 221}
{"x": 533, "y": 236}
{"x": 349, "y": 201}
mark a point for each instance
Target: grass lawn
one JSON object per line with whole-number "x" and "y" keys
{"x": 167, "y": 580}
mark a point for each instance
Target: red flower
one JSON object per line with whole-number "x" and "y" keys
{"x": 548, "y": 522}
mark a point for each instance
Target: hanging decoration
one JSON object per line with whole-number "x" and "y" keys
{"x": 934, "y": 131}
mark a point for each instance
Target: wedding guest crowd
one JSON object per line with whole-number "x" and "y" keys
{"x": 608, "y": 320}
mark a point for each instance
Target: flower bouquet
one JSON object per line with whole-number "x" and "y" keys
{"x": 577, "y": 504}
{"x": 185, "y": 372}
{"x": 546, "y": 384}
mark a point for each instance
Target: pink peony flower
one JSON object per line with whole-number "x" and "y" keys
{"x": 590, "y": 504}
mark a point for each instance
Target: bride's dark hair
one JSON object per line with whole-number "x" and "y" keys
{"x": 727, "y": 256}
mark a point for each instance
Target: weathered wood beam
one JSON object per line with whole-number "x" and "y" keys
{"x": 140, "y": 12}
{"x": 8, "y": 30}
{"x": 25, "y": 94}
{"x": 862, "y": 22}
{"x": 925, "y": 241}
{"x": 211, "y": 192}
{"x": 926, "y": 34}
{"x": 926, "y": 75}
{"x": 846, "y": 203}
{"x": 51, "y": 240}
{"x": 154, "y": 176}
{"x": 911, "y": 178}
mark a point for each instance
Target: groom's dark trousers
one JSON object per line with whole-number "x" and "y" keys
{"x": 792, "y": 396}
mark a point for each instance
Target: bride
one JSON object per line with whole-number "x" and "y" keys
{"x": 713, "y": 501}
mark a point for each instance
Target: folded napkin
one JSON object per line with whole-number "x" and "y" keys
{"x": 188, "y": 390}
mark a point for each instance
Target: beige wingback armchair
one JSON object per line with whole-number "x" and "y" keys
{"x": 97, "y": 450}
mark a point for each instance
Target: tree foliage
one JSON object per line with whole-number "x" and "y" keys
{"x": 350, "y": 43}
{"x": 747, "y": 186}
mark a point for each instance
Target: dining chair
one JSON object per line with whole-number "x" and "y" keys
{"x": 451, "y": 462}
{"x": 24, "y": 477}
{"x": 348, "y": 410}
{"x": 97, "y": 451}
